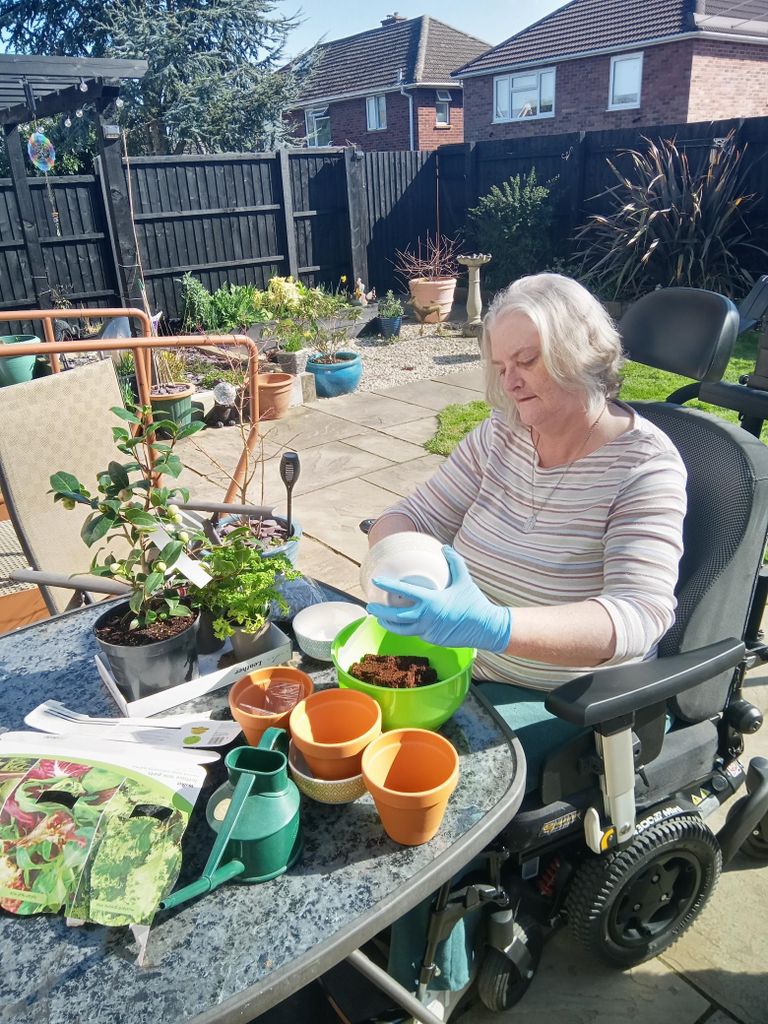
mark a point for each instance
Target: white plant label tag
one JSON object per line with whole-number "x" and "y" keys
{"x": 187, "y": 566}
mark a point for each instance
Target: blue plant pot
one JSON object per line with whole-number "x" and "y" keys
{"x": 389, "y": 326}
{"x": 332, "y": 379}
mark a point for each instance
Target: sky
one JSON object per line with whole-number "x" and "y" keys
{"x": 489, "y": 20}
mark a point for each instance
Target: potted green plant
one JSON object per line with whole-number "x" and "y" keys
{"x": 431, "y": 275}
{"x": 171, "y": 393}
{"x": 292, "y": 346}
{"x": 236, "y": 603}
{"x": 390, "y": 315}
{"x": 150, "y": 639}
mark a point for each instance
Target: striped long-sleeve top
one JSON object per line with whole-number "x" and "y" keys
{"x": 609, "y": 531}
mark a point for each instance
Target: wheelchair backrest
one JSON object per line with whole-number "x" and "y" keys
{"x": 689, "y": 331}
{"x": 724, "y": 539}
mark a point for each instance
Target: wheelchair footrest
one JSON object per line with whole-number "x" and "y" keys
{"x": 749, "y": 812}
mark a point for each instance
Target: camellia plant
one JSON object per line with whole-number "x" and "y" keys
{"x": 126, "y": 511}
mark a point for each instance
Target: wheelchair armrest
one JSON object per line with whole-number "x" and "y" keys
{"x": 619, "y": 691}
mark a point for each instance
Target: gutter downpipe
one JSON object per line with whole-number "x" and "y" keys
{"x": 409, "y": 97}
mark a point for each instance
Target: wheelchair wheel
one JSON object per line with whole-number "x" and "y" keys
{"x": 632, "y": 903}
{"x": 501, "y": 982}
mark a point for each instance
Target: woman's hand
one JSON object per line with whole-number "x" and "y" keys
{"x": 459, "y": 616}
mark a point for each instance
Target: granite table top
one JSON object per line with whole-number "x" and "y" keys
{"x": 242, "y": 948}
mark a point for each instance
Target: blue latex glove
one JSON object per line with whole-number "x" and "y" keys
{"x": 459, "y": 616}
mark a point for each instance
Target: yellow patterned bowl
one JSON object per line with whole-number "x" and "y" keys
{"x": 325, "y": 791}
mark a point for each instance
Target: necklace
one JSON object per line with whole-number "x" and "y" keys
{"x": 530, "y": 522}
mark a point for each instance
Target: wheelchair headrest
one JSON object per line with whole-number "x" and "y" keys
{"x": 688, "y": 331}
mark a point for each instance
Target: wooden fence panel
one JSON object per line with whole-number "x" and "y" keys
{"x": 78, "y": 265}
{"x": 217, "y": 217}
{"x": 320, "y": 216}
{"x": 400, "y": 208}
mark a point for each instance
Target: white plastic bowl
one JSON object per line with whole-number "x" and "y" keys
{"x": 409, "y": 557}
{"x": 317, "y": 626}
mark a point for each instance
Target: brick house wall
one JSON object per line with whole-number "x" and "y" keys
{"x": 581, "y": 97}
{"x": 428, "y": 134}
{"x": 349, "y": 124}
{"x": 728, "y": 80}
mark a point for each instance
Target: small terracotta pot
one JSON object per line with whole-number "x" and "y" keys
{"x": 331, "y": 731}
{"x": 433, "y": 294}
{"x": 251, "y": 691}
{"x": 411, "y": 773}
{"x": 275, "y": 390}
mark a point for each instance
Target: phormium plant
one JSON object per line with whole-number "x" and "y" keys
{"x": 670, "y": 224}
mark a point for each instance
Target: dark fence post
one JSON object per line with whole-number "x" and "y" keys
{"x": 290, "y": 222}
{"x": 578, "y": 199}
{"x": 118, "y": 211}
{"x": 353, "y": 165}
{"x": 23, "y": 195}
{"x": 470, "y": 175}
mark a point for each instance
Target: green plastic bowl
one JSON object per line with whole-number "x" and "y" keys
{"x": 425, "y": 707}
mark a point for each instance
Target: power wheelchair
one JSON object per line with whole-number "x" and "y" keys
{"x": 614, "y": 840}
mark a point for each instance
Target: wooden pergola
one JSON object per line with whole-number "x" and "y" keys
{"x": 34, "y": 86}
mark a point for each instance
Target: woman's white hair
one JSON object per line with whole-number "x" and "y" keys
{"x": 580, "y": 346}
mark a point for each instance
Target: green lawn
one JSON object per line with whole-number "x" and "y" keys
{"x": 641, "y": 383}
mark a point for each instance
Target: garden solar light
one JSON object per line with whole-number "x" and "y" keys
{"x": 289, "y": 472}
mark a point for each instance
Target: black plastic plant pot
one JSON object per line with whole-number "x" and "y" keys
{"x": 207, "y": 641}
{"x": 142, "y": 671}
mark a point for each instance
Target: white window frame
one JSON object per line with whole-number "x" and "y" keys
{"x": 376, "y": 105}
{"x": 443, "y": 102}
{"x": 614, "y": 61}
{"x": 310, "y": 116}
{"x": 498, "y": 79}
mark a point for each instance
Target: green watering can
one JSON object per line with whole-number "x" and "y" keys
{"x": 256, "y": 816}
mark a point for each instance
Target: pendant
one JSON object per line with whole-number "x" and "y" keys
{"x": 529, "y": 524}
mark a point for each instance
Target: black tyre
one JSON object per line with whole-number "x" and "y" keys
{"x": 630, "y": 904}
{"x": 501, "y": 983}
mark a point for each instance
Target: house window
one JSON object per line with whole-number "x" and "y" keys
{"x": 376, "y": 111}
{"x": 318, "y": 127}
{"x": 443, "y": 107}
{"x": 626, "y": 79}
{"x": 519, "y": 97}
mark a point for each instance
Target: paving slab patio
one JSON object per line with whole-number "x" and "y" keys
{"x": 360, "y": 452}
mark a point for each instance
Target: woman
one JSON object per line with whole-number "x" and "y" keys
{"x": 564, "y": 511}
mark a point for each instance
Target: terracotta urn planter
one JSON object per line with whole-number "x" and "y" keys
{"x": 411, "y": 773}
{"x": 432, "y": 298}
{"x": 332, "y": 731}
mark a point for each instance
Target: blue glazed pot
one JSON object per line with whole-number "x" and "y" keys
{"x": 332, "y": 379}
{"x": 389, "y": 326}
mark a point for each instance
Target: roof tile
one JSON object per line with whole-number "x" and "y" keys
{"x": 373, "y": 59}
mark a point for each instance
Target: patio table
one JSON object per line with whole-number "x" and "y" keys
{"x": 241, "y": 949}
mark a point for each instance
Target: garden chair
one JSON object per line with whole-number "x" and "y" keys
{"x": 63, "y": 421}
{"x": 612, "y": 838}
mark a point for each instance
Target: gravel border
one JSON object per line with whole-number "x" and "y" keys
{"x": 419, "y": 353}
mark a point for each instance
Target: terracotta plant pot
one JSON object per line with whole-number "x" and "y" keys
{"x": 427, "y": 293}
{"x": 331, "y": 732}
{"x": 250, "y": 691}
{"x": 411, "y": 773}
{"x": 275, "y": 391}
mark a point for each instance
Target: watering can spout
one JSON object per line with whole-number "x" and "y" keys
{"x": 203, "y": 885}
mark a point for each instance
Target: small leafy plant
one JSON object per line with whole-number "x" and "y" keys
{"x": 126, "y": 509}
{"x": 390, "y": 306}
{"x": 244, "y": 583}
